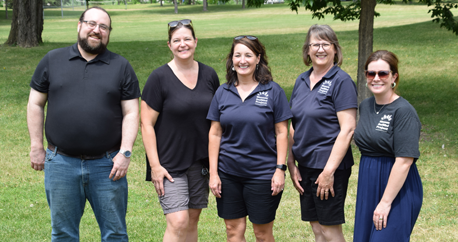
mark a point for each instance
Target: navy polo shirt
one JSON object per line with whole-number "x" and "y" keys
{"x": 315, "y": 120}
{"x": 248, "y": 143}
{"x": 84, "y": 114}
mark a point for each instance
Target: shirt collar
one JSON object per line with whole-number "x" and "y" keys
{"x": 75, "y": 53}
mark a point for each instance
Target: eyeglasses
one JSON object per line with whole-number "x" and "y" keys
{"x": 173, "y": 24}
{"x": 93, "y": 25}
{"x": 326, "y": 46}
{"x": 381, "y": 74}
{"x": 250, "y": 37}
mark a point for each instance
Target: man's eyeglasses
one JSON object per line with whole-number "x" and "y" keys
{"x": 93, "y": 25}
{"x": 250, "y": 37}
{"x": 173, "y": 24}
{"x": 381, "y": 74}
{"x": 326, "y": 46}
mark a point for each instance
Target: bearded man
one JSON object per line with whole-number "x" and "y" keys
{"x": 91, "y": 125}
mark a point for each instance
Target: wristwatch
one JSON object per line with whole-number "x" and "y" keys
{"x": 125, "y": 153}
{"x": 281, "y": 167}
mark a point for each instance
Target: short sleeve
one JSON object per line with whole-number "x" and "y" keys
{"x": 40, "y": 77}
{"x": 213, "y": 111}
{"x": 282, "y": 111}
{"x": 345, "y": 95}
{"x": 130, "y": 88}
{"x": 152, "y": 92}
{"x": 406, "y": 132}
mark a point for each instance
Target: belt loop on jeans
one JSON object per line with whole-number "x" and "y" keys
{"x": 54, "y": 152}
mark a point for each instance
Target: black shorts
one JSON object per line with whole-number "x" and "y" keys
{"x": 243, "y": 196}
{"x": 326, "y": 212}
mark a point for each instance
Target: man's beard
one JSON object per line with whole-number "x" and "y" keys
{"x": 84, "y": 44}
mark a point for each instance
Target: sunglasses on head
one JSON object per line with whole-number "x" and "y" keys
{"x": 173, "y": 24}
{"x": 381, "y": 74}
{"x": 250, "y": 37}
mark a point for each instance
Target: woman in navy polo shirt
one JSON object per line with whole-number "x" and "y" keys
{"x": 248, "y": 142}
{"x": 390, "y": 192}
{"x": 323, "y": 104}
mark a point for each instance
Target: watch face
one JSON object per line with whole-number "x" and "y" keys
{"x": 127, "y": 153}
{"x": 282, "y": 167}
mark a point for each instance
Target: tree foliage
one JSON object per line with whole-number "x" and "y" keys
{"x": 441, "y": 13}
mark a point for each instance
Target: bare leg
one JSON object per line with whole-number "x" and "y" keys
{"x": 194, "y": 215}
{"x": 327, "y": 233}
{"x": 264, "y": 232}
{"x": 177, "y": 226}
{"x": 316, "y": 227}
{"x": 235, "y": 229}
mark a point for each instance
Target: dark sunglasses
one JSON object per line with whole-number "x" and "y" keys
{"x": 250, "y": 37}
{"x": 381, "y": 74}
{"x": 173, "y": 24}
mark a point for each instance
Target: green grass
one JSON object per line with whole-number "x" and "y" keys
{"x": 429, "y": 80}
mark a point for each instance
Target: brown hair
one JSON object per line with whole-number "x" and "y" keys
{"x": 322, "y": 32}
{"x": 388, "y": 57}
{"x": 95, "y": 7}
{"x": 262, "y": 73}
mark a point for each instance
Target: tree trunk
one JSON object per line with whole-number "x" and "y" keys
{"x": 366, "y": 39}
{"x": 243, "y": 3}
{"x": 205, "y": 3}
{"x": 6, "y": 9}
{"x": 26, "y": 24}
{"x": 176, "y": 5}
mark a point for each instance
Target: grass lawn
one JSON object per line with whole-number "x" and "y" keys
{"x": 428, "y": 79}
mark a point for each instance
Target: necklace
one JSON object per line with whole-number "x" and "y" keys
{"x": 378, "y": 110}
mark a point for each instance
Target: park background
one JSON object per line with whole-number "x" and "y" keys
{"x": 428, "y": 80}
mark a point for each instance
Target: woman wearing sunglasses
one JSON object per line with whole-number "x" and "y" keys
{"x": 323, "y": 104}
{"x": 248, "y": 142}
{"x": 174, "y": 107}
{"x": 390, "y": 192}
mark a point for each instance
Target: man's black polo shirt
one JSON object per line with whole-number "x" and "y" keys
{"x": 84, "y": 114}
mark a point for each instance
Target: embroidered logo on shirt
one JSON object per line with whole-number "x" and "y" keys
{"x": 324, "y": 88}
{"x": 384, "y": 123}
{"x": 261, "y": 98}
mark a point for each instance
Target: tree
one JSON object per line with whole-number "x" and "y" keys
{"x": 205, "y": 3}
{"x": 6, "y": 9}
{"x": 26, "y": 24}
{"x": 176, "y": 5}
{"x": 364, "y": 10}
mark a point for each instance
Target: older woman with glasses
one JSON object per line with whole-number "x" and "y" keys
{"x": 174, "y": 107}
{"x": 248, "y": 142}
{"x": 390, "y": 192}
{"x": 323, "y": 104}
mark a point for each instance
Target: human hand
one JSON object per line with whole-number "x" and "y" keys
{"x": 325, "y": 183}
{"x": 296, "y": 177}
{"x": 215, "y": 185}
{"x": 120, "y": 166}
{"x": 37, "y": 158}
{"x": 157, "y": 177}
{"x": 278, "y": 182}
{"x": 381, "y": 213}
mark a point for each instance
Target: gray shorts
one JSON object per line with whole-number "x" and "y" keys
{"x": 187, "y": 191}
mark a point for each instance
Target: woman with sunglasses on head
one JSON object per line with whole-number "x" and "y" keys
{"x": 390, "y": 192}
{"x": 248, "y": 142}
{"x": 174, "y": 107}
{"x": 323, "y": 104}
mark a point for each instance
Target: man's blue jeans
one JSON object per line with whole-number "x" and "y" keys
{"x": 70, "y": 181}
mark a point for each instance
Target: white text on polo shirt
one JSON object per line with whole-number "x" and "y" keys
{"x": 384, "y": 123}
{"x": 261, "y": 98}
{"x": 325, "y": 87}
